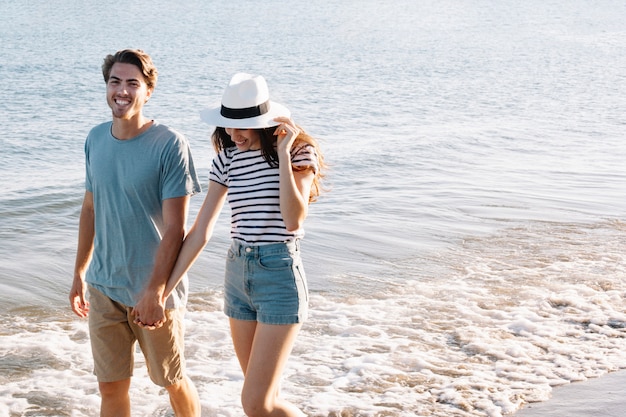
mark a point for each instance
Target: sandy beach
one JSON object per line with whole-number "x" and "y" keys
{"x": 600, "y": 397}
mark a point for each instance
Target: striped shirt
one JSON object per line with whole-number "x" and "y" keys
{"x": 253, "y": 193}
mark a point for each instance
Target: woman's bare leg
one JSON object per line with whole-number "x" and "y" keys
{"x": 263, "y": 350}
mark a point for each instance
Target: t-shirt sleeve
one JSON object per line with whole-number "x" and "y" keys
{"x": 304, "y": 156}
{"x": 219, "y": 169}
{"x": 88, "y": 177}
{"x": 179, "y": 173}
{"x": 88, "y": 186}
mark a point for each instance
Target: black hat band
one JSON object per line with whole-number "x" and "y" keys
{"x": 246, "y": 113}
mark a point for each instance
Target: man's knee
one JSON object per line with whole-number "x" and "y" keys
{"x": 177, "y": 387}
{"x": 182, "y": 389}
{"x": 115, "y": 388}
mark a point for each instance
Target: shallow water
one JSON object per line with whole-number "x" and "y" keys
{"x": 468, "y": 255}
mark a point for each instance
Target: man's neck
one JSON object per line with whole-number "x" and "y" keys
{"x": 124, "y": 129}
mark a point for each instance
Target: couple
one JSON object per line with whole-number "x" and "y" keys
{"x": 133, "y": 251}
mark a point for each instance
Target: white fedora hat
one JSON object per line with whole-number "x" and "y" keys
{"x": 245, "y": 105}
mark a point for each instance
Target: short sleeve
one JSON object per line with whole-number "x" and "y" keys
{"x": 179, "y": 173}
{"x": 305, "y": 156}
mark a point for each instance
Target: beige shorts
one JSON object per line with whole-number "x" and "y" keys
{"x": 113, "y": 335}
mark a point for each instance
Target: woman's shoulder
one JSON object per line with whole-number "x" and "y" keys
{"x": 303, "y": 150}
{"x": 226, "y": 153}
{"x": 232, "y": 155}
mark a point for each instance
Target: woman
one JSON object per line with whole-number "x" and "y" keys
{"x": 270, "y": 171}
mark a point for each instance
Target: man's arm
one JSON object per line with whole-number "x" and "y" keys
{"x": 86, "y": 233}
{"x": 149, "y": 309}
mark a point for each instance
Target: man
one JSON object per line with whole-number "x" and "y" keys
{"x": 139, "y": 178}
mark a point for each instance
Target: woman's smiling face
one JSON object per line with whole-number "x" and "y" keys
{"x": 245, "y": 139}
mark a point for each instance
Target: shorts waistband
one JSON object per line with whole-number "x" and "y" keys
{"x": 241, "y": 248}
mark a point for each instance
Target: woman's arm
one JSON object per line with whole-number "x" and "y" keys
{"x": 149, "y": 306}
{"x": 295, "y": 186}
{"x": 198, "y": 235}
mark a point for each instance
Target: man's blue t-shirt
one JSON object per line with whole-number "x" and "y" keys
{"x": 129, "y": 180}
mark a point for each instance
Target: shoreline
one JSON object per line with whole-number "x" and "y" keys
{"x": 604, "y": 396}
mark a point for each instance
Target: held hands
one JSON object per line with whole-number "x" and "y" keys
{"x": 286, "y": 133}
{"x": 149, "y": 311}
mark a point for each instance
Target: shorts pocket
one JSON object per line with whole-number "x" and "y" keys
{"x": 276, "y": 261}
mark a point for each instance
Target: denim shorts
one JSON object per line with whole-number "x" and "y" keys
{"x": 265, "y": 283}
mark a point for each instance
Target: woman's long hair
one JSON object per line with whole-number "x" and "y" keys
{"x": 221, "y": 140}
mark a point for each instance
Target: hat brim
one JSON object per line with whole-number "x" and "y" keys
{"x": 213, "y": 117}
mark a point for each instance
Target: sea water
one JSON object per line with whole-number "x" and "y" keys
{"x": 467, "y": 256}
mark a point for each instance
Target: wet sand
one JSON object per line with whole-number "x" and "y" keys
{"x": 600, "y": 397}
